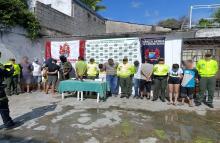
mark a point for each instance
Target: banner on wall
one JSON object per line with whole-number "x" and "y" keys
{"x": 71, "y": 49}
{"x": 152, "y": 49}
{"x": 103, "y": 49}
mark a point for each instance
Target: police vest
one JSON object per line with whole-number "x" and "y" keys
{"x": 92, "y": 69}
{"x": 161, "y": 70}
{"x": 8, "y": 64}
{"x": 207, "y": 68}
{"x": 17, "y": 69}
{"x": 125, "y": 70}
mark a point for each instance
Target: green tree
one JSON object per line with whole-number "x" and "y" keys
{"x": 216, "y": 15}
{"x": 171, "y": 23}
{"x": 15, "y": 12}
{"x": 205, "y": 23}
{"x": 93, "y": 4}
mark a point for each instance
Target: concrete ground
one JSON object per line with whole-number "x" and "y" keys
{"x": 34, "y": 110}
{"x": 24, "y": 103}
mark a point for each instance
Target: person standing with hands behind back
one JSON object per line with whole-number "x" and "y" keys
{"x": 52, "y": 73}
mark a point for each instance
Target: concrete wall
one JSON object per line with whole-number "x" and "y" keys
{"x": 64, "y": 6}
{"x": 122, "y": 27}
{"x": 15, "y": 44}
{"x": 82, "y": 22}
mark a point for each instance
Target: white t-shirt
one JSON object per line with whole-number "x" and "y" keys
{"x": 37, "y": 69}
{"x": 177, "y": 73}
{"x": 137, "y": 75}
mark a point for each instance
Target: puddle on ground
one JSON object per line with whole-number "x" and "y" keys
{"x": 115, "y": 125}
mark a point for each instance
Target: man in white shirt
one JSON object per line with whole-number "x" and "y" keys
{"x": 37, "y": 73}
{"x": 137, "y": 78}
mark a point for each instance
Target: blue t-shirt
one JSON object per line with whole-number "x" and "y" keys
{"x": 189, "y": 76}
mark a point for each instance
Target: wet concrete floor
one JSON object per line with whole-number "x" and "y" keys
{"x": 115, "y": 125}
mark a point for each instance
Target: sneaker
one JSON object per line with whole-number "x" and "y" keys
{"x": 154, "y": 99}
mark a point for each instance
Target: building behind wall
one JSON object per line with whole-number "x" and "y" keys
{"x": 79, "y": 20}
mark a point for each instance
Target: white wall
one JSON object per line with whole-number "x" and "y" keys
{"x": 15, "y": 45}
{"x": 64, "y": 6}
{"x": 173, "y": 50}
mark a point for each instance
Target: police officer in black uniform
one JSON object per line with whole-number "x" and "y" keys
{"x": 4, "y": 109}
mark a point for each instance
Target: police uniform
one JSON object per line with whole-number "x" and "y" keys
{"x": 4, "y": 109}
{"x": 15, "y": 78}
{"x": 92, "y": 71}
{"x": 125, "y": 72}
{"x": 207, "y": 70}
{"x": 8, "y": 79}
{"x": 160, "y": 73}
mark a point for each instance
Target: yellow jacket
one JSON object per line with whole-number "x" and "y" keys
{"x": 92, "y": 69}
{"x": 207, "y": 68}
{"x": 161, "y": 70}
{"x": 9, "y": 63}
{"x": 125, "y": 70}
{"x": 17, "y": 69}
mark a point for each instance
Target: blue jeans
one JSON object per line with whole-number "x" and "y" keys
{"x": 136, "y": 86}
{"x": 112, "y": 81}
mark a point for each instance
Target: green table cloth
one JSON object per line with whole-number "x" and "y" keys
{"x": 77, "y": 85}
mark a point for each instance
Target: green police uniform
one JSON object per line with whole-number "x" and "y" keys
{"x": 15, "y": 78}
{"x": 125, "y": 72}
{"x": 207, "y": 70}
{"x": 4, "y": 108}
{"x": 160, "y": 72}
{"x": 9, "y": 79}
{"x": 92, "y": 70}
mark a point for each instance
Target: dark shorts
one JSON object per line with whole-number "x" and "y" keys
{"x": 52, "y": 79}
{"x": 187, "y": 92}
{"x": 174, "y": 80}
{"x": 145, "y": 85}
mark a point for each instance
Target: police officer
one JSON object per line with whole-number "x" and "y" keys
{"x": 160, "y": 73}
{"x": 9, "y": 79}
{"x": 16, "y": 76}
{"x": 125, "y": 72}
{"x": 92, "y": 69}
{"x": 4, "y": 109}
{"x": 207, "y": 69}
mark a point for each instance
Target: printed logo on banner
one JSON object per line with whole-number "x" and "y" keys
{"x": 65, "y": 50}
{"x": 70, "y": 49}
{"x": 152, "y": 49}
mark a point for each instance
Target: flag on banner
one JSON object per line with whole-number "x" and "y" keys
{"x": 152, "y": 49}
{"x": 117, "y": 48}
{"x": 70, "y": 49}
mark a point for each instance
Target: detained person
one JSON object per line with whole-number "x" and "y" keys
{"x": 146, "y": 79}
{"x": 136, "y": 79}
{"x": 175, "y": 75}
{"x": 111, "y": 76}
